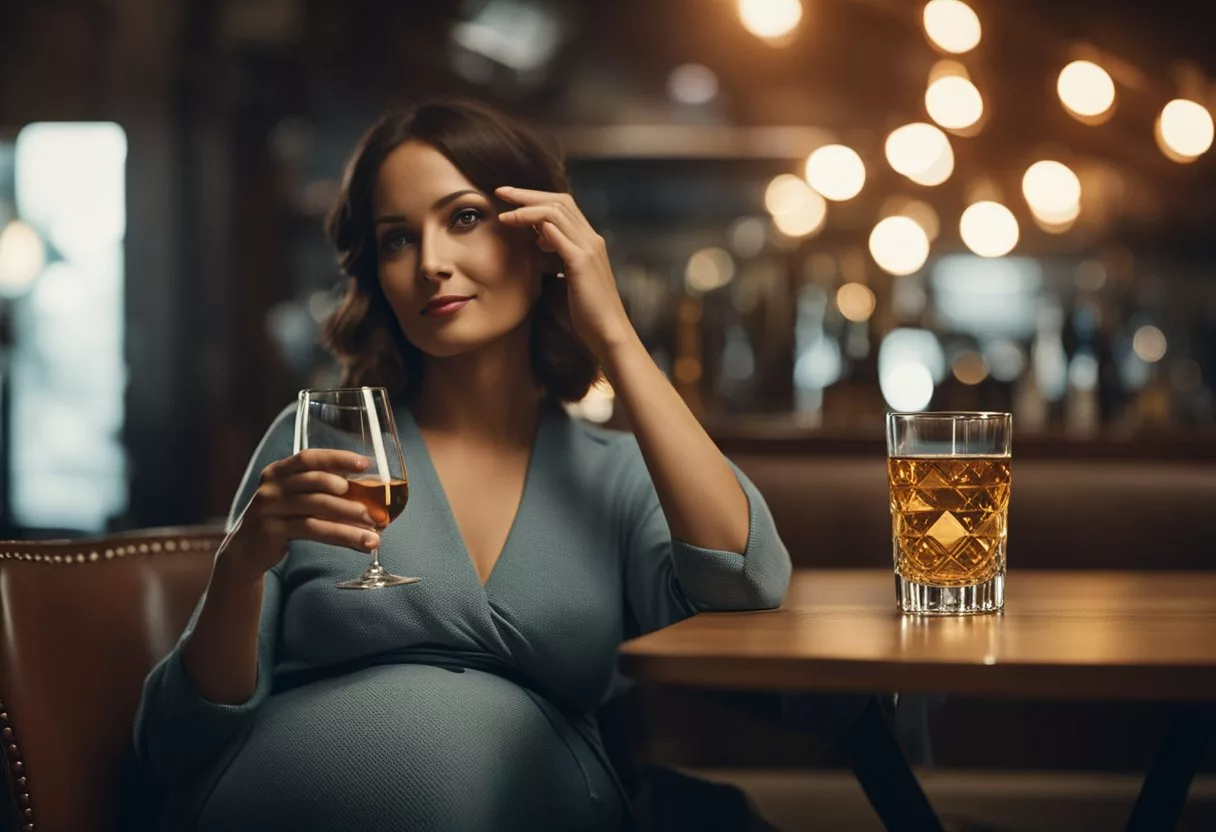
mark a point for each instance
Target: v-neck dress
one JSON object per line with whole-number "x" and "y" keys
{"x": 449, "y": 704}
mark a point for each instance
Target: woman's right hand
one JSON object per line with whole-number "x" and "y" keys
{"x": 301, "y": 498}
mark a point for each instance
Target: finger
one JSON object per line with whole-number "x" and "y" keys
{"x": 321, "y": 506}
{"x": 323, "y": 459}
{"x": 324, "y": 482}
{"x": 524, "y": 196}
{"x": 535, "y": 215}
{"x": 559, "y": 242}
{"x": 325, "y": 531}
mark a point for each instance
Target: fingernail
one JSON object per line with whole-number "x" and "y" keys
{"x": 504, "y": 188}
{"x": 371, "y": 541}
{"x": 367, "y": 518}
{"x": 363, "y": 463}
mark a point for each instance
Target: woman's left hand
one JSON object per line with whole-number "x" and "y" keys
{"x": 595, "y": 305}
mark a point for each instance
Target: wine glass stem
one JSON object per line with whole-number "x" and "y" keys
{"x": 376, "y": 559}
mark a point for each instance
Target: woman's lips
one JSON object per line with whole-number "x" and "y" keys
{"x": 444, "y": 308}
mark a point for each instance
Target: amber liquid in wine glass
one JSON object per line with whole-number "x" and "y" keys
{"x": 384, "y": 501}
{"x": 360, "y": 420}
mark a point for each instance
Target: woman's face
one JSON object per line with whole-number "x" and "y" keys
{"x": 455, "y": 278}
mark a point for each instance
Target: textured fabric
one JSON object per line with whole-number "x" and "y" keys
{"x": 446, "y": 705}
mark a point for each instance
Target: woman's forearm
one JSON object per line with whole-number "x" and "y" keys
{"x": 702, "y": 500}
{"x": 221, "y": 654}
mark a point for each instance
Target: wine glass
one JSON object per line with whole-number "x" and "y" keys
{"x": 360, "y": 419}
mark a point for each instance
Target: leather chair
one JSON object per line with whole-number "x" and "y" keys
{"x": 81, "y": 624}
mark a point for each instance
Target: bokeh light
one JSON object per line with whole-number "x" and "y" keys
{"x": 1149, "y": 344}
{"x": 1052, "y": 191}
{"x": 836, "y": 172}
{"x": 907, "y": 387}
{"x": 922, "y": 214}
{"x": 709, "y": 269}
{"x": 899, "y": 245}
{"x": 952, "y": 25}
{"x": 969, "y": 367}
{"x": 785, "y": 194}
{"x": 692, "y": 84}
{"x": 920, "y": 152}
{"x": 770, "y": 19}
{"x": 803, "y": 221}
{"x": 1185, "y": 128}
{"x": 989, "y": 229}
{"x": 856, "y": 301}
{"x": 1085, "y": 89}
{"x": 954, "y": 102}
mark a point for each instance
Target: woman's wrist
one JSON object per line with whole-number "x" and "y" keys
{"x": 235, "y": 565}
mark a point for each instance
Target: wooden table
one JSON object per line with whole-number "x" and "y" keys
{"x": 1082, "y": 635}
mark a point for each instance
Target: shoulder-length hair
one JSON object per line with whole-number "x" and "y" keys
{"x": 492, "y": 150}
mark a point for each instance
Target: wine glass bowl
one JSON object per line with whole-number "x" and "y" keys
{"x": 360, "y": 419}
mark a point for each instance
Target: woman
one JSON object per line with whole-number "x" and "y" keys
{"x": 464, "y": 702}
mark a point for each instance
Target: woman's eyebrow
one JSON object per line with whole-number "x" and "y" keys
{"x": 439, "y": 203}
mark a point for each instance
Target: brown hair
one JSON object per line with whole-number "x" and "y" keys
{"x": 492, "y": 150}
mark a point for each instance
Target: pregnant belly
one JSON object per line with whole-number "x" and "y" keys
{"x": 410, "y": 747}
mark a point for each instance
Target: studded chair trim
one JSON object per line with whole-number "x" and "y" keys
{"x": 82, "y": 552}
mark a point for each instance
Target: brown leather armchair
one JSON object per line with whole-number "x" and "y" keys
{"x": 81, "y": 623}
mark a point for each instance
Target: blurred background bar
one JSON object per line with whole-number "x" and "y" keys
{"x": 818, "y": 210}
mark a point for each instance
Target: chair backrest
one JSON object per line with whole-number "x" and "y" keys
{"x": 81, "y": 624}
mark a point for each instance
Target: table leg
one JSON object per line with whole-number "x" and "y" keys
{"x": 885, "y": 776}
{"x": 1163, "y": 794}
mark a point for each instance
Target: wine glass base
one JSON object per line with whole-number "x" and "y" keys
{"x": 376, "y": 577}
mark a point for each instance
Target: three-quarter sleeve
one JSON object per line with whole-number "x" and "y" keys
{"x": 667, "y": 580}
{"x": 177, "y": 731}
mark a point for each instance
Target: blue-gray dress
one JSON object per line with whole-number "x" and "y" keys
{"x": 449, "y": 705}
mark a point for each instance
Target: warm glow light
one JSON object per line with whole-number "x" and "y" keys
{"x": 954, "y": 102}
{"x": 952, "y": 25}
{"x": 804, "y": 220}
{"x": 856, "y": 301}
{"x": 1058, "y": 223}
{"x": 786, "y": 194}
{"x": 989, "y": 229}
{"x": 1149, "y": 344}
{"x": 709, "y": 269}
{"x": 692, "y": 84}
{"x": 836, "y": 172}
{"x": 969, "y": 367}
{"x": 922, "y": 214}
{"x": 770, "y": 19}
{"x": 1086, "y": 89}
{"x": 920, "y": 152}
{"x": 1052, "y": 191}
{"x": 899, "y": 245}
{"x": 22, "y": 258}
{"x": 1185, "y": 127}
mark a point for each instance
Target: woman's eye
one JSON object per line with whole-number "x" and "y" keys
{"x": 397, "y": 240}
{"x": 466, "y": 218}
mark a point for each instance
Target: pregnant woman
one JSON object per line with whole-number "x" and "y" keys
{"x": 482, "y": 299}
